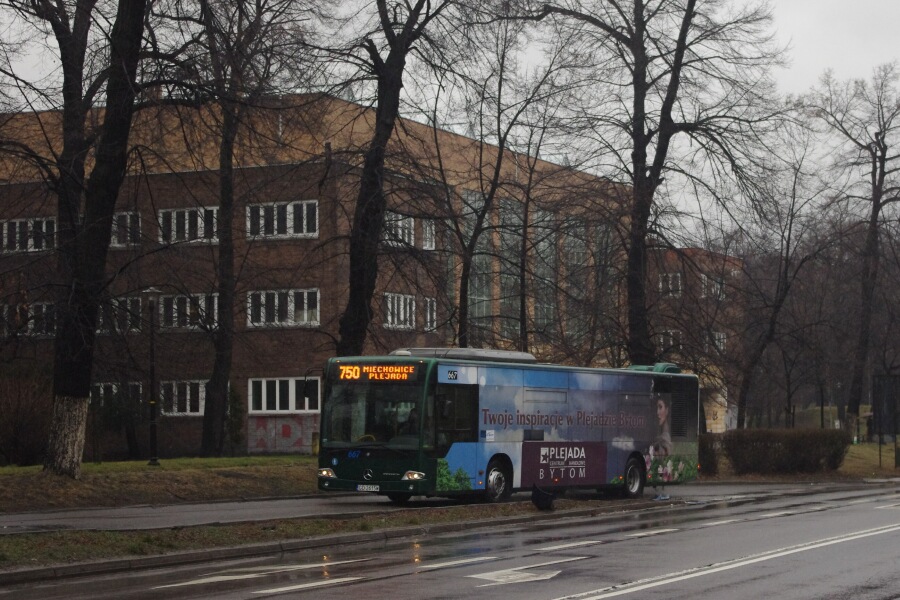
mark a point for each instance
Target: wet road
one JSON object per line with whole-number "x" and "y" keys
{"x": 824, "y": 543}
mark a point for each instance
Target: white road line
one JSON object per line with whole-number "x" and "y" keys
{"x": 306, "y": 586}
{"x": 255, "y": 573}
{"x": 670, "y": 578}
{"x": 770, "y": 515}
{"x": 454, "y": 563}
{"x": 571, "y": 545}
{"x": 715, "y": 523}
{"x": 888, "y": 506}
{"x": 523, "y": 574}
{"x": 649, "y": 533}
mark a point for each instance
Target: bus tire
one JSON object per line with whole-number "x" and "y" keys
{"x": 497, "y": 482}
{"x": 399, "y": 497}
{"x": 634, "y": 478}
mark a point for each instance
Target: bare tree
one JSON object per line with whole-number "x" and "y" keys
{"x": 671, "y": 69}
{"x": 863, "y": 119}
{"x": 401, "y": 25}
{"x": 93, "y": 62}
{"x": 231, "y": 59}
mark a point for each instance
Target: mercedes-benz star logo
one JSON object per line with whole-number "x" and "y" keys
{"x": 367, "y": 474}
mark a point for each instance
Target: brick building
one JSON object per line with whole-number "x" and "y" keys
{"x": 543, "y": 270}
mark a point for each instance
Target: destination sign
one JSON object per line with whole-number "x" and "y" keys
{"x": 377, "y": 372}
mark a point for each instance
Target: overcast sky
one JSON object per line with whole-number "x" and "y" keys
{"x": 850, "y": 37}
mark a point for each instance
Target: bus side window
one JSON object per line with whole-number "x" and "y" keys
{"x": 457, "y": 415}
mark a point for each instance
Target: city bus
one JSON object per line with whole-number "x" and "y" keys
{"x": 465, "y": 423}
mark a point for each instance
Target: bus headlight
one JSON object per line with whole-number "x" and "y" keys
{"x": 326, "y": 472}
{"x": 412, "y": 476}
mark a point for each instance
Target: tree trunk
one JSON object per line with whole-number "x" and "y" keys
{"x": 368, "y": 216}
{"x": 216, "y": 406}
{"x": 65, "y": 445}
{"x": 82, "y": 257}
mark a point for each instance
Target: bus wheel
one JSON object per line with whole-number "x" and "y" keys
{"x": 634, "y": 478}
{"x": 498, "y": 482}
{"x": 399, "y": 498}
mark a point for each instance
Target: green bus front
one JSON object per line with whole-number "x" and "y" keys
{"x": 377, "y": 427}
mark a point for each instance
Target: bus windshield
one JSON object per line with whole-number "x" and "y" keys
{"x": 359, "y": 413}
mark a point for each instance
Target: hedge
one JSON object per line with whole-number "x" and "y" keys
{"x": 785, "y": 450}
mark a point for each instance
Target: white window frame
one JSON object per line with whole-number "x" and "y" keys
{"x": 189, "y": 311}
{"x": 126, "y": 309}
{"x": 265, "y": 396}
{"x": 399, "y": 230}
{"x": 670, "y": 284}
{"x": 126, "y": 230}
{"x": 713, "y": 287}
{"x": 45, "y": 239}
{"x": 719, "y": 340}
{"x": 428, "y": 234}
{"x": 193, "y": 406}
{"x": 281, "y": 220}
{"x": 279, "y": 308}
{"x": 430, "y": 314}
{"x": 103, "y": 391}
{"x": 38, "y": 323}
{"x": 669, "y": 340}
{"x": 205, "y": 232}
{"x": 399, "y": 311}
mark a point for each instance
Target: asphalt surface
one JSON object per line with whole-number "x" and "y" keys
{"x": 343, "y": 505}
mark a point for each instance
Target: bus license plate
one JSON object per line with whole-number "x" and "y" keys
{"x": 367, "y": 488}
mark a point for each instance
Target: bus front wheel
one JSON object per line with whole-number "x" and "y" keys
{"x": 634, "y": 478}
{"x": 498, "y": 482}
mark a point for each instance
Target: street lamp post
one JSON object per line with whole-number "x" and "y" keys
{"x": 152, "y": 294}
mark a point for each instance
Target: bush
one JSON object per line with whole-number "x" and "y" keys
{"x": 708, "y": 453}
{"x": 785, "y": 450}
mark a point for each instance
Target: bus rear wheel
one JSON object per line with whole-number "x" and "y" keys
{"x": 399, "y": 498}
{"x": 498, "y": 482}
{"x": 634, "y": 478}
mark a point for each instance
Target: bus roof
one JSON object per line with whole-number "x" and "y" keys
{"x": 478, "y": 354}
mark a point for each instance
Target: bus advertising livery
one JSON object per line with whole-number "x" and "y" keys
{"x": 459, "y": 422}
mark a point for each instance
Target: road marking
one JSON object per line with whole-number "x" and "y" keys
{"x": 714, "y": 523}
{"x": 670, "y": 578}
{"x": 571, "y": 545}
{"x": 649, "y": 533}
{"x": 770, "y": 515}
{"x": 255, "y": 573}
{"x": 306, "y": 586}
{"x": 454, "y": 563}
{"x": 520, "y": 575}
{"x": 888, "y": 506}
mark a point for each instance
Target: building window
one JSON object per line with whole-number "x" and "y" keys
{"x": 126, "y": 230}
{"x": 669, "y": 341}
{"x": 712, "y": 287}
{"x": 182, "y": 397}
{"x": 430, "y": 314}
{"x": 286, "y": 395}
{"x": 195, "y": 311}
{"x": 41, "y": 319}
{"x": 284, "y": 220}
{"x": 428, "y": 234}
{"x": 119, "y": 315}
{"x": 399, "y": 311}
{"x": 283, "y": 308}
{"x": 28, "y": 235}
{"x": 188, "y": 225}
{"x": 670, "y": 284}
{"x": 718, "y": 341}
{"x": 116, "y": 394}
{"x": 399, "y": 230}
